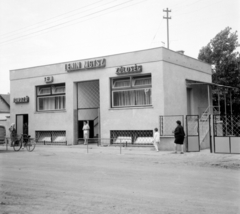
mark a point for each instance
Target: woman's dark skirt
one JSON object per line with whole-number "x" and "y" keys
{"x": 179, "y": 140}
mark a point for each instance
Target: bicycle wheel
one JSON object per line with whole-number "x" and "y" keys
{"x": 17, "y": 145}
{"x": 30, "y": 145}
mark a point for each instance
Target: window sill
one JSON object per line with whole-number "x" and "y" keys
{"x": 52, "y": 111}
{"x": 130, "y": 108}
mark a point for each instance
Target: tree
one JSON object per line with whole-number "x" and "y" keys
{"x": 221, "y": 53}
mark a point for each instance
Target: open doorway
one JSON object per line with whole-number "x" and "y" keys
{"x": 80, "y": 131}
{"x": 22, "y": 124}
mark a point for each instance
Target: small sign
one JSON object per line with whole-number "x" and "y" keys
{"x": 21, "y": 100}
{"x": 129, "y": 69}
{"x": 90, "y": 64}
{"x": 48, "y": 79}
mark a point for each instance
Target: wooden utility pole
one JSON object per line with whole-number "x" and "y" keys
{"x": 168, "y": 11}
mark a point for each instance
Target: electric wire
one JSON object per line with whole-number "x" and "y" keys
{"x": 156, "y": 32}
{"x": 69, "y": 21}
{"x": 49, "y": 20}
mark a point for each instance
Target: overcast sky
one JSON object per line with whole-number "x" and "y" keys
{"x": 40, "y": 32}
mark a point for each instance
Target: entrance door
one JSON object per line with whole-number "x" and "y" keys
{"x": 192, "y": 128}
{"x": 22, "y": 124}
{"x": 80, "y": 131}
{"x": 88, "y": 102}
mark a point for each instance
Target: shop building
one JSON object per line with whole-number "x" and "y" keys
{"x": 120, "y": 95}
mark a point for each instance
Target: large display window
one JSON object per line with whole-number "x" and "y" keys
{"x": 131, "y": 91}
{"x": 51, "y": 97}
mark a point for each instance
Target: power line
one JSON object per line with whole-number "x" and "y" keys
{"x": 29, "y": 35}
{"x": 54, "y": 26}
{"x": 156, "y": 32}
{"x": 48, "y": 19}
{"x": 132, "y": 34}
{"x": 35, "y": 26}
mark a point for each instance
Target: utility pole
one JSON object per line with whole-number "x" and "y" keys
{"x": 168, "y": 11}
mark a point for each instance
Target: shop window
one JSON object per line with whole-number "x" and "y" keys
{"x": 51, "y": 97}
{"x": 132, "y": 91}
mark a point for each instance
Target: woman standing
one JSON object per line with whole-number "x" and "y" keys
{"x": 179, "y": 135}
{"x": 86, "y": 129}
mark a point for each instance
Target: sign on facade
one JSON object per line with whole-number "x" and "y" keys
{"x": 90, "y": 64}
{"x": 21, "y": 100}
{"x": 48, "y": 79}
{"x": 129, "y": 69}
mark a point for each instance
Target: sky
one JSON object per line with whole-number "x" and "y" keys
{"x": 42, "y": 32}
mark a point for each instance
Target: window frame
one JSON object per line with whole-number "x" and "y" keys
{"x": 132, "y": 87}
{"x": 51, "y": 94}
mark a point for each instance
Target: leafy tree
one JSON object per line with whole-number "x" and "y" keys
{"x": 221, "y": 53}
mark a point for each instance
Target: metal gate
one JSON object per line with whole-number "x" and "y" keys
{"x": 226, "y": 134}
{"x": 192, "y": 133}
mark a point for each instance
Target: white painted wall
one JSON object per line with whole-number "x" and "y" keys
{"x": 168, "y": 69}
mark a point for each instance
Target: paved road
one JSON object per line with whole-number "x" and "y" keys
{"x": 68, "y": 180}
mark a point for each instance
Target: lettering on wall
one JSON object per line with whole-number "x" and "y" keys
{"x": 21, "y": 100}
{"x": 129, "y": 69}
{"x": 90, "y": 64}
{"x": 48, "y": 79}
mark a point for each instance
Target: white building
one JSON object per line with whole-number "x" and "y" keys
{"x": 120, "y": 95}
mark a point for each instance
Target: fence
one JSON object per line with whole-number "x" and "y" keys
{"x": 168, "y": 124}
{"x": 226, "y": 131}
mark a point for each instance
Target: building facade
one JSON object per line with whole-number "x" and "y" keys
{"x": 119, "y": 95}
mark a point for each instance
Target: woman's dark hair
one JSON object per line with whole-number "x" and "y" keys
{"x": 178, "y": 122}
{"x": 156, "y": 129}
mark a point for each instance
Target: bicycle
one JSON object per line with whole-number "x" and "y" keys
{"x": 26, "y": 141}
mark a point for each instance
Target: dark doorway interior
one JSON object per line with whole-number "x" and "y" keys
{"x": 80, "y": 131}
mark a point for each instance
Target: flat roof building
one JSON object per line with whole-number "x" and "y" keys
{"x": 121, "y": 95}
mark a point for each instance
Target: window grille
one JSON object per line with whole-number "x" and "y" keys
{"x": 133, "y": 137}
{"x": 51, "y": 137}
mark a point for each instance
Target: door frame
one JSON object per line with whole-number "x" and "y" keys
{"x": 196, "y": 136}
{"x": 23, "y": 121}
